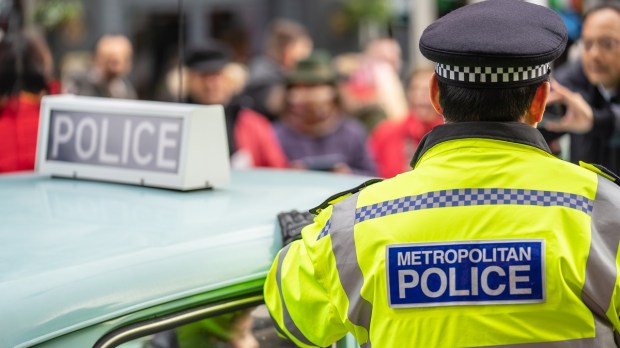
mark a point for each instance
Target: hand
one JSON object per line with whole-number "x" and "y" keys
{"x": 298, "y": 165}
{"x": 341, "y": 168}
{"x": 578, "y": 118}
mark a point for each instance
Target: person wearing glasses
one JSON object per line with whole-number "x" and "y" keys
{"x": 590, "y": 90}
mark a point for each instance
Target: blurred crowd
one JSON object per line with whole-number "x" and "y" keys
{"x": 297, "y": 106}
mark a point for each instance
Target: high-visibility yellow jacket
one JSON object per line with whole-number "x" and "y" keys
{"x": 489, "y": 241}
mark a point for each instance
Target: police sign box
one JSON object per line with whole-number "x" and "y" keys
{"x": 169, "y": 145}
{"x": 466, "y": 273}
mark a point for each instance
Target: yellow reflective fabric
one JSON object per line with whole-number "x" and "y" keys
{"x": 593, "y": 168}
{"x": 315, "y": 317}
{"x": 613, "y": 312}
{"x": 450, "y": 165}
{"x": 342, "y": 195}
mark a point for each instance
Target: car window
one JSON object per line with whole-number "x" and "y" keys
{"x": 241, "y": 323}
{"x": 242, "y": 328}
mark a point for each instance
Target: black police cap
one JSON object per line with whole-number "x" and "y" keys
{"x": 207, "y": 57}
{"x": 495, "y": 43}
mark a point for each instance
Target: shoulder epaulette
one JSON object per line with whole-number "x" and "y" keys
{"x": 342, "y": 195}
{"x": 600, "y": 170}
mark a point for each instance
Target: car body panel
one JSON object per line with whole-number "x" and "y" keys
{"x": 78, "y": 253}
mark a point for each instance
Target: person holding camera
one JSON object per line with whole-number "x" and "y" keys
{"x": 590, "y": 90}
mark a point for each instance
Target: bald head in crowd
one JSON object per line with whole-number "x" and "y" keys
{"x": 113, "y": 54}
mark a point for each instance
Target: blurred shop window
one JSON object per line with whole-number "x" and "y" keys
{"x": 156, "y": 39}
{"x": 156, "y": 42}
{"x": 446, "y": 6}
{"x": 227, "y": 27}
{"x": 64, "y": 24}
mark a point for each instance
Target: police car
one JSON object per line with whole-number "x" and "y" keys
{"x": 94, "y": 263}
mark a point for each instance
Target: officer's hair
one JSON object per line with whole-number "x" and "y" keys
{"x": 605, "y": 5}
{"x": 461, "y": 104}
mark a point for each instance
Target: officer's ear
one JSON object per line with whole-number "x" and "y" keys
{"x": 537, "y": 108}
{"x": 434, "y": 93}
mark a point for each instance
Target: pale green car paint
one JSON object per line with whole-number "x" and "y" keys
{"x": 81, "y": 258}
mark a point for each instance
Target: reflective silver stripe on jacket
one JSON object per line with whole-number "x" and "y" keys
{"x": 349, "y": 271}
{"x": 601, "y": 269}
{"x": 600, "y": 275}
{"x": 288, "y": 321}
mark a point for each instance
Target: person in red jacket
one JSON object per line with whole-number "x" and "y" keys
{"x": 25, "y": 76}
{"x": 393, "y": 142}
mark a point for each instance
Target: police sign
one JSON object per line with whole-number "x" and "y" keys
{"x": 178, "y": 146}
{"x": 150, "y": 143}
{"x": 466, "y": 273}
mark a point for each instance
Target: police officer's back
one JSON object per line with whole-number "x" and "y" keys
{"x": 490, "y": 240}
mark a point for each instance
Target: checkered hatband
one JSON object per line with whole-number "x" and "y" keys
{"x": 492, "y": 75}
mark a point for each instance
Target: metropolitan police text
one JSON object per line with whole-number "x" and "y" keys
{"x": 516, "y": 282}
{"x": 450, "y": 256}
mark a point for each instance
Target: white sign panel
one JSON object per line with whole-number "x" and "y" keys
{"x": 178, "y": 146}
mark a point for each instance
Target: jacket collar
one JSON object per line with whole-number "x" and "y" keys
{"x": 514, "y": 132}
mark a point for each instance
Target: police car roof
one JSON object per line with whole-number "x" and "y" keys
{"x": 77, "y": 253}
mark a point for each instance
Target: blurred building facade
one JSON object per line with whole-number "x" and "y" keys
{"x": 338, "y": 26}
{"x": 153, "y": 26}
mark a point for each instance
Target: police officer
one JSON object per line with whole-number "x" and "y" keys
{"x": 490, "y": 240}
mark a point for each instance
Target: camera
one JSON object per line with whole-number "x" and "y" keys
{"x": 554, "y": 111}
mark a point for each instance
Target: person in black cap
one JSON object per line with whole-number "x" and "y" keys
{"x": 205, "y": 81}
{"x": 251, "y": 138}
{"x": 490, "y": 240}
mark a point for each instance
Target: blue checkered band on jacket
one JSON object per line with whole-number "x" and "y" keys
{"x": 491, "y": 74}
{"x": 472, "y": 197}
{"x": 325, "y": 229}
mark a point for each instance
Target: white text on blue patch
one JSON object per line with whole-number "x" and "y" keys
{"x": 461, "y": 273}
